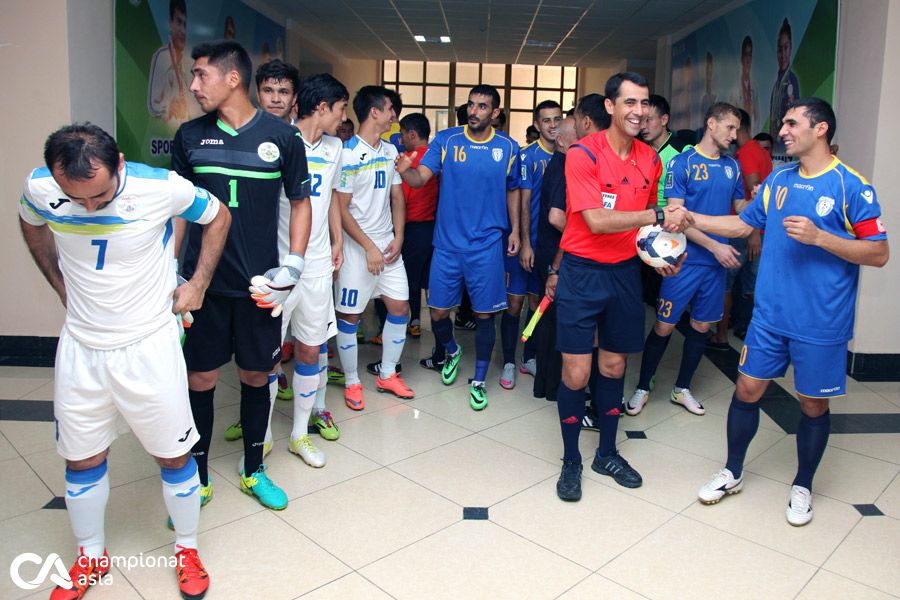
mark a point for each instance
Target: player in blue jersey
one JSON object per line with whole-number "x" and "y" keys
{"x": 521, "y": 276}
{"x": 822, "y": 220}
{"x": 703, "y": 180}
{"x": 100, "y": 230}
{"x": 479, "y": 194}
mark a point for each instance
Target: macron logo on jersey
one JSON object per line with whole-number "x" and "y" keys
{"x": 211, "y": 142}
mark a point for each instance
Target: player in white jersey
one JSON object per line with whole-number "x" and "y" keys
{"x": 373, "y": 214}
{"x": 309, "y": 310}
{"x": 100, "y": 230}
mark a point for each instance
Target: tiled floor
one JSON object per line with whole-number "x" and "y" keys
{"x": 384, "y": 517}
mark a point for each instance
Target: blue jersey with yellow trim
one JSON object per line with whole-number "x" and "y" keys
{"x": 535, "y": 158}
{"x": 802, "y": 291}
{"x": 475, "y": 176}
{"x": 117, "y": 262}
{"x": 708, "y": 186}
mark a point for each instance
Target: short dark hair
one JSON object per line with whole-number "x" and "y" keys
{"x": 462, "y": 115}
{"x": 226, "y": 55}
{"x": 348, "y": 122}
{"x": 178, "y": 5}
{"x": 593, "y": 106}
{"x": 319, "y": 88}
{"x": 487, "y": 90}
{"x": 396, "y": 102}
{"x": 614, "y": 83}
{"x": 545, "y": 104}
{"x": 532, "y": 130}
{"x": 278, "y": 70}
{"x": 785, "y": 29}
{"x": 501, "y": 117}
{"x": 416, "y": 122}
{"x": 817, "y": 111}
{"x": 746, "y": 122}
{"x": 764, "y": 137}
{"x": 367, "y": 98}
{"x": 660, "y": 104}
{"x": 78, "y": 149}
{"x": 747, "y": 43}
{"x": 719, "y": 110}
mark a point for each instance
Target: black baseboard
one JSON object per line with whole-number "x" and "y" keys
{"x": 27, "y": 351}
{"x": 873, "y": 367}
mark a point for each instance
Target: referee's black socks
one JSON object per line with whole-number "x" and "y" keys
{"x": 254, "y": 420}
{"x": 202, "y": 409}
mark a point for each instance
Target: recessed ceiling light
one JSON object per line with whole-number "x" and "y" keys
{"x": 419, "y": 38}
{"x": 445, "y": 39}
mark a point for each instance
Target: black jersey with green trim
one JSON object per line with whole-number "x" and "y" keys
{"x": 246, "y": 169}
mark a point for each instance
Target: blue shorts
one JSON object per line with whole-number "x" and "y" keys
{"x": 480, "y": 272}
{"x": 519, "y": 281}
{"x": 594, "y": 297}
{"x": 746, "y": 273}
{"x": 820, "y": 371}
{"x": 702, "y": 287}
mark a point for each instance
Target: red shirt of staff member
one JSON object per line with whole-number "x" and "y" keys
{"x": 612, "y": 181}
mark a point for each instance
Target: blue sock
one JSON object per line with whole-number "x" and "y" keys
{"x": 570, "y": 404}
{"x": 509, "y": 332}
{"x": 443, "y": 335}
{"x": 743, "y": 421}
{"x": 607, "y": 398}
{"x": 654, "y": 348}
{"x": 528, "y": 349}
{"x": 812, "y": 437}
{"x": 694, "y": 346}
{"x": 485, "y": 336}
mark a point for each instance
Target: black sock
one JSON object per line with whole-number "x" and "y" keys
{"x": 607, "y": 399}
{"x": 570, "y": 404}
{"x": 694, "y": 346}
{"x": 509, "y": 334}
{"x": 654, "y": 348}
{"x": 203, "y": 410}
{"x": 254, "y": 420}
{"x": 812, "y": 437}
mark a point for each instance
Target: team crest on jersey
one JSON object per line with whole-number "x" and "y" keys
{"x": 268, "y": 152}
{"x": 868, "y": 195}
{"x": 729, "y": 172}
{"x": 125, "y": 206}
{"x": 824, "y": 206}
{"x": 497, "y": 153}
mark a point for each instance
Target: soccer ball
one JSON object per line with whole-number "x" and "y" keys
{"x": 658, "y": 248}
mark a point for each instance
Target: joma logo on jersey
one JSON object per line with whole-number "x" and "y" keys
{"x": 780, "y": 196}
{"x": 211, "y": 142}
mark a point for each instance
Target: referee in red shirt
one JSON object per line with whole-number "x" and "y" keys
{"x": 612, "y": 182}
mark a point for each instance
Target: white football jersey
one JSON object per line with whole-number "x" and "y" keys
{"x": 368, "y": 174}
{"x": 117, "y": 262}
{"x": 323, "y": 160}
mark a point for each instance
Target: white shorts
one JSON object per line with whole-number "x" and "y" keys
{"x": 356, "y": 285}
{"x": 99, "y": 394}
{"x": 309, "y": 311}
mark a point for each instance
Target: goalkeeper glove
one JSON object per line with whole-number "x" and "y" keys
{"x": 272, "y": 289}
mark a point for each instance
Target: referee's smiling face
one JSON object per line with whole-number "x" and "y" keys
{"x": 630, "y": 109}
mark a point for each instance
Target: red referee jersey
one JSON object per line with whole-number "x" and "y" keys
{"x": 597, "y": 178}
{"x": 421, "y": 203}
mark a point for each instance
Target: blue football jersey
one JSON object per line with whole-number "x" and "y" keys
{"x": 802, "y": 291}
{"x": 475, "y": 176}
{"x": 708, "y": 186}
{"x": 534, "y": 158}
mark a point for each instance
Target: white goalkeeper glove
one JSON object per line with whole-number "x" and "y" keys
{"x": 272, "y": 289}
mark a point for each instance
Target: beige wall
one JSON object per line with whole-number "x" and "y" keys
{"x": 34, "y": 102}
{"x": 592, "y": 80}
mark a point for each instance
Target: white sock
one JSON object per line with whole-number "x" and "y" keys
{"x": 306, "y": 383}
{"x": 347, "y": 351}
{"x": 323, "y": 379}
{"x": 273, "y": 389}
{"x": 87, "y": 492}
{"x": 181, "y": 492}
{"x": 393, "y": 339}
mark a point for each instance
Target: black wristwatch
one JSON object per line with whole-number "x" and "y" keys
{"x": 551, "y": 271}
{"x": 660, "y": 216}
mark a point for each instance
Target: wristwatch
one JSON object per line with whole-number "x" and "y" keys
{"x": 552, "y": 271}
{"x": 660, "y": 216}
